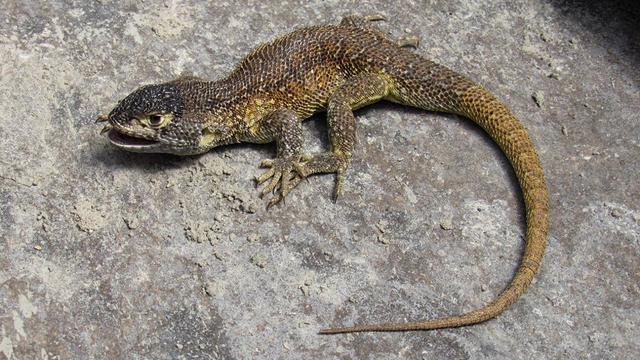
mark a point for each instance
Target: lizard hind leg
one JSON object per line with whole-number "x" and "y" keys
{"x": 362, "y": 21}
{"x": 367, "y": 22}
{"x": 354, "y": 94}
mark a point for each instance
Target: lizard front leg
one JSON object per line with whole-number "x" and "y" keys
{"x": 282, "y": 126}
{"x": 355, "y": 93}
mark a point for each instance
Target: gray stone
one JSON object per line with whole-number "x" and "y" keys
{"x": 78, "y": 282}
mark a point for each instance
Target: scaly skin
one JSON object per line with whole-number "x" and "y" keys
{"x": 337, "y": 69}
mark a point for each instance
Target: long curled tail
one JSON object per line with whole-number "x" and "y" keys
{"x": 444, "y": 90}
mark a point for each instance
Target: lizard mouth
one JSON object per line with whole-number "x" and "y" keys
{"x": 128, "y": 142}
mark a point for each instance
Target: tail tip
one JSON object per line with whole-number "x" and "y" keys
{"x": 330, "y": 331}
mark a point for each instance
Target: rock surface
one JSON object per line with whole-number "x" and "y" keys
{"x": 106, "y": 254}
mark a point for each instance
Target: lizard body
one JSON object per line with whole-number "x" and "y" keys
{"x": 335, "y": 68}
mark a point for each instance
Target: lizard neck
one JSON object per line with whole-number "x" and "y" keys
{"x": 228, "y": 110}
{"x": 238, "y": 101}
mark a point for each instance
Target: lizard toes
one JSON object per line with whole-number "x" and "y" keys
{"x": 375, "y": 17}
{"x": 409, "y": 41}
{"x": 265, "y": 176}
{"x": 274, "y": 200}
{"x": 337, "y": 192}
{"x": 284, "y": 175}
{"x": 266, "y": 163}
{"x": 272, "y": 184}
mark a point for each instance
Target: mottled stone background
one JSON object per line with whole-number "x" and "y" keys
{"x": 105, "y": 254}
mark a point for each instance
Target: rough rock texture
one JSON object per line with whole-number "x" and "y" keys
{"x": 105, "y": 254}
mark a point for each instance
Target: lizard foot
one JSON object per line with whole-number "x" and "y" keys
{"x": 375, "y": 17}
{"x": 325, "y": 163}
{"x": 409, "y": 41}
{"x": 362, "y": 21}
{"x": 284, "y": 173}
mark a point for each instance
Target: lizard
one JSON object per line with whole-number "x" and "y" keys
{"x": 336, "y": 69}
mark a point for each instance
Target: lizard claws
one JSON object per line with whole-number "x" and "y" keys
{"x": 106, "y": 128}
{"x": 102, "y": 118}
{"x": 284, "y": 175}
{"x": 409, "y": 41}
{"x": 375, "y": 17}
{"x": 275, "y": 179}
{"x": 274, "y": 200}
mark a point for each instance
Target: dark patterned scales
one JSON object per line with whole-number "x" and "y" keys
{"x": 337, "y": 69}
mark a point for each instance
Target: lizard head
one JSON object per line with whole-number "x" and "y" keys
{"x": 156, "y": 119}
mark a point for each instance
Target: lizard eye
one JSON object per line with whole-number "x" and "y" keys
{"x": 155, "y": 120}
